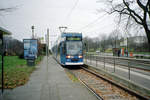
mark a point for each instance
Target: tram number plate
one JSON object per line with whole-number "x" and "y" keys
{"x": 74, "y": 60}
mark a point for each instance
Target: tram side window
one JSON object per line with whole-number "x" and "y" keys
{"x": 58, "y": 49}
{"x": 63, "y": 48}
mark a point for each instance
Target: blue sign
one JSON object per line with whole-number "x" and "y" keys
{"x": 30, "y": 48}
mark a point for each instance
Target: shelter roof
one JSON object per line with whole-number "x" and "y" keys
{"x": 4, "y": 31}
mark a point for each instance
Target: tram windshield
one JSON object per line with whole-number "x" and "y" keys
{"x": 74, "y": 47}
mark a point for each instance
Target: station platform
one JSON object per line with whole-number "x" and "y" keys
{"x": 49, "y": 83}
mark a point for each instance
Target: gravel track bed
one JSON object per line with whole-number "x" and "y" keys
{"x": 106, "y": 90}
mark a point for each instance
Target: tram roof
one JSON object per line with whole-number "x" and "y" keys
{"x": 4, "y": 31}
{"x": 71, "y": 34}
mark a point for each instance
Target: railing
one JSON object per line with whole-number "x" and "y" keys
{"x": 123, "y": 62}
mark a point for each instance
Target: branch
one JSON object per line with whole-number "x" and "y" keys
{"x": 145, "y": 9}
{"x": 130, "y": 14}
{"x": 128, "y": 22}
{"x": 132, "y": 11}
{"x": 141, "y": 5}
{"x": 9, "y": 9}
{"x": 135, "y": 19}
{"x": 148, "y": 7}
{"x": 6, "y": 9}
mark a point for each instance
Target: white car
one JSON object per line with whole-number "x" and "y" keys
{"x": 97, "y": 51}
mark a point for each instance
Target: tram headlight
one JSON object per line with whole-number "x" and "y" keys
{"x": 80, "y": 56}
{"x": 68, "y": 56}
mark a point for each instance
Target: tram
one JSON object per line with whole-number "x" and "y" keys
{"x": 68, "y": 49}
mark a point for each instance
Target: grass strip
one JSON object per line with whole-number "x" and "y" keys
{"x": 16, "y": 71}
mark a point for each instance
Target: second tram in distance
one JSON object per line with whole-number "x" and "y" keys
{"x": 68, "y": 49}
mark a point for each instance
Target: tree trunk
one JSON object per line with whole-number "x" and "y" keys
{"x": 148, "y": 37}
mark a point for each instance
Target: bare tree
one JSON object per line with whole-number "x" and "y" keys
{"x": 91, "y": 43}
{"x": 131, "y": 12}
{"x": 103, "y": 42}
{"x": 7, "y": 9}
{"x": 113, "y": 38}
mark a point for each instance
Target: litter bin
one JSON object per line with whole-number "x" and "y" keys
{"x": 31, "y": 62}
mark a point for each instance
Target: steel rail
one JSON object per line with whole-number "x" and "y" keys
{"x": 90, "y": 89}
{"x": 84, "y": 67}
{"x": 83, "y": 83}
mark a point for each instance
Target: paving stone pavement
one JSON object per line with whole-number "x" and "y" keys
{"x": 49, "y": 83}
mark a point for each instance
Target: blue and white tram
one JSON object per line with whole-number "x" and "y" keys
{"x": 68, "y": 49}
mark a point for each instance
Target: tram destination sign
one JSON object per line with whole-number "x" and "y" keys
{"x": 73, "y": 38}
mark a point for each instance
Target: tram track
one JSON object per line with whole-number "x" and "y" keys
{"x": 103, "y": 88}
{"x": 90, "y": 89}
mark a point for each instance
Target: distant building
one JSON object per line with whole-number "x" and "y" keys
{"x": 138, "y": 40}
{"x": 136, "y": 43}
{"x": 123, "y": 42}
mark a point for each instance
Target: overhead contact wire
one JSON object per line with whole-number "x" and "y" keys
{"x": 73, "y": 8}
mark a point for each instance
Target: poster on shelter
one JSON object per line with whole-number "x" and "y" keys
{"x": 30, "y": 48}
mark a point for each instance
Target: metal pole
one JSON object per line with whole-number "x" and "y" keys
{"x": 128, "y": 70}
{"x": 48, "y": 42}
{"x": 114, "y": 64}
{"x": 85, "y": 54}
{"x": 90, "y": 58}
{"x": 88, "y": 47}
{"x": 32, "y": 27}
{"x": 47, "y": 50}
{"x": 2, "y": 64}
{"x": 96, "y": 61}
{"x": 104, "y": 62}
{"x": 85, "y": 58}
{"x": 104, "y": 53}
{"x": 127, "y": 47}
{"x": 1, "y": 57}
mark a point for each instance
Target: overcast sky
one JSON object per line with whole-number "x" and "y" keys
{"x": 51, "y": 14}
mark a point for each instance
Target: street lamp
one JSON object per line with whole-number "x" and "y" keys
{"x": 32, "y": 27}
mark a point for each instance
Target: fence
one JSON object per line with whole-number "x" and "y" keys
{"x": 110, "y": 63}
